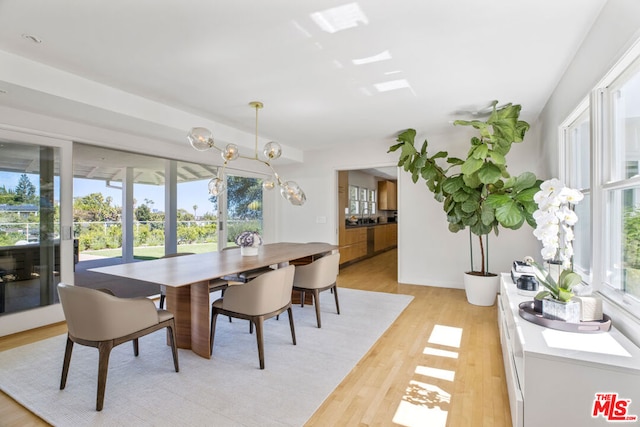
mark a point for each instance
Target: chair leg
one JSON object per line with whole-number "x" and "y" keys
{"x": 293, "y": 329}
{"x": 259, "y": 338}
{"x": 65, "y": 364}
{"x": 174, "y": 349}
{"x": 250, "y": 327}
{"x": 214, "y": 316}
{"x": 301, "y": 298}
{"x": 135, "y": 347}
{"x": 316, "y": 302}
{"x": 162, "y": 300}
{"x": 104, "y": 350}
{"x": 335, "y": 294}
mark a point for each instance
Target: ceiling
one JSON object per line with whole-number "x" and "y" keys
{"x": 329, "y": 72}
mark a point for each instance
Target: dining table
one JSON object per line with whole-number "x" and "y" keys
{"x": 187, "y": 280}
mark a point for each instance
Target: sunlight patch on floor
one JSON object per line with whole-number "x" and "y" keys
{"x": 446, "y": 335}
{"x": 425, "y": 404}
{"x": 438, "y": 352}
{"x": 442, "y": 374}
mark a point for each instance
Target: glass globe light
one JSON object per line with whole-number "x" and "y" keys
{"x": 272, "y": 150}
{"x": 200, "y": 138}
{"x": 230, "y": 152}
{"x": 217, "y": 186}
{"x": 291, "y": 191}
{"x": 268, "y": 184}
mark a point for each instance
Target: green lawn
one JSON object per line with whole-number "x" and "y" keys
{"x": 152, "y": 252}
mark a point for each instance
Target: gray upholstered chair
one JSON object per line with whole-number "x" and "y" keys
{"x": 316, "y": 277}
{"x": 264, "y": 297}
{"x": 99, "y": 319}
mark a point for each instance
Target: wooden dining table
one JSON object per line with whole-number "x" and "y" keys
{"x": 187, "y": 281}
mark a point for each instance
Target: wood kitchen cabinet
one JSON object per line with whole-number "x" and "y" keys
{"x": 385, "y": 237}
{"x": 354, "y": 244}
{"x": 387, "y": 196}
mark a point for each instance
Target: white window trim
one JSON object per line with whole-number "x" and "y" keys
{"x": 624, "y": 312}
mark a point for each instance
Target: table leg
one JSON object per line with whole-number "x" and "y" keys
{"x": 200, "y": 308}
{"x": 179, "y": 303}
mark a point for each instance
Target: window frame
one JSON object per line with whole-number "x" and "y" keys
{"x": 624, "y": 308}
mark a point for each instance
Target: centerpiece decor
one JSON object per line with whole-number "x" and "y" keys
{"x": 477, "y": 192}
{"x": 555, "y": 218}
{"x": 249, "y": 242}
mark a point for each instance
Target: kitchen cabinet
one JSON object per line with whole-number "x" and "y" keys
{"x": 387, "y": 196}
{"x": 544, "y": 366}
{"x": 354, "y": 244}
{"x": 385, "y": 237}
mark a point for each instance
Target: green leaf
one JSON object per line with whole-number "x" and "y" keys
{"x": 480, "y": 151}
{"x": 451, "y": 185}
{"x": 568, "y": 279}
{"x": 408, "y": 136}
{"x": 525, "y": 180}
{"x": 423, "y": 150}
{"x": 496, "y": 200}
{"x": 489, "y": 173}
{"x": 472, "y": 181}
{"x": 471, "y": 165}
{"x": 509, "y": 215}
{"x": 497, "y": 158}
{"x": 455, "y": 227}
{"x": 470, "y": 205}
{"x": 460, "y": 196}
{"x": 455, "y": 161}
{"x": 439, "y": 154}
{"x": 526, "y": 196}
{"x": 487, "y": 214}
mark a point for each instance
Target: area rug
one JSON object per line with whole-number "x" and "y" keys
{"x": 227, "y": 390}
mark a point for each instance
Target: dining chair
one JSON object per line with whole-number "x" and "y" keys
{"x": 244, "y": 276}
{"x": 97, "y": 318}
{"x": 316, "y": 277}
{"x": 264, "y": 297}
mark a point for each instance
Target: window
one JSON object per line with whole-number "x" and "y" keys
{"x": 362, "y": 201}
{"x": 621, "y": 184}
{"x": 600, "y": 148}
{"x": 577, "y": 174}
{"x": 30, "y": 261}
{"x": 354, "y": 206}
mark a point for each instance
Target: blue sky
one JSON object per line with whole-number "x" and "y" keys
{"x": 189, "y": 194}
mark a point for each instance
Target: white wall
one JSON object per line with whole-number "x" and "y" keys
{"x": 611, "y": 35}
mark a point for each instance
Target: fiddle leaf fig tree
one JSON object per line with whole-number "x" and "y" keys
{"x": 477, "y": 192}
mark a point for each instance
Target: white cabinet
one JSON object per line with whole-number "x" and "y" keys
{"x": 553, "y": 376}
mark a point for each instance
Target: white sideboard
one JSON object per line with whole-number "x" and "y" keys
{"x": 553, "y": 376}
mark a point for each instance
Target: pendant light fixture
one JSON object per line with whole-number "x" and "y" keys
{"x": 202, "y": 140}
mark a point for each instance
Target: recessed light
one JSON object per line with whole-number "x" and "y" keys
{"x": 32, "y": 38}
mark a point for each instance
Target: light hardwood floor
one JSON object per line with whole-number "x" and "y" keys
{"x": 406, "y": 372}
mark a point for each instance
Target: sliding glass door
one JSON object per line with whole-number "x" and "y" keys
{"x": 29, "y": 226}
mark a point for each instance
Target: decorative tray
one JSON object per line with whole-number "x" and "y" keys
{"x": 527, "y": 312}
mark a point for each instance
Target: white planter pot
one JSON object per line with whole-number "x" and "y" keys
{"x": 481, "y": 290}
{"x": 249, "y": 250}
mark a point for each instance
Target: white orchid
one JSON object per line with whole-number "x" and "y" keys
{"x": 555, "y": 219}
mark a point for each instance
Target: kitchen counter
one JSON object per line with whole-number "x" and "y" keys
{"x": 373, "y": 224}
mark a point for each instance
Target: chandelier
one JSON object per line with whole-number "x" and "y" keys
{"x": 202, "y": 140}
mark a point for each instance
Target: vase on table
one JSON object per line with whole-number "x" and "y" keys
{"x": 249, "y": 250}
